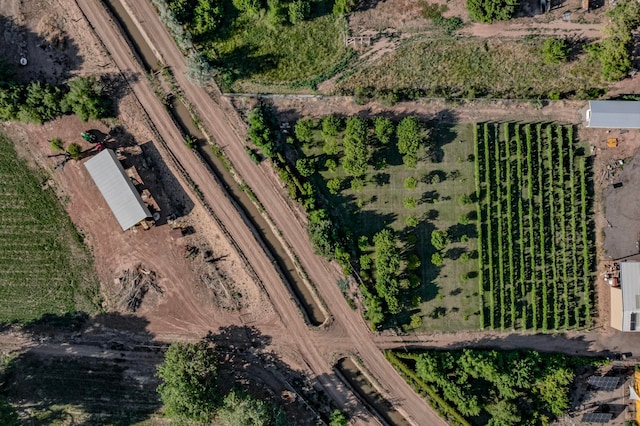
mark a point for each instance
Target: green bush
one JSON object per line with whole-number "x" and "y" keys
{"x": 334, "y": 185}
{"x": 306, "y": 166}
{"x": 56, "y": 144}
{"x": 439, "y": 240}
{"x": 384, "y": 129}
{"x": 298, "y": 11}
{"x": 436, "y": 259}
{"x": 75, "y": 151}
{"x": 304, "y": 130}
{"x": 492, "y": 10}
{"x": 555, "y": 50}
{"x": 410, "y": 183}
{"x": 331, "y": 165}
{"x": 410, "y": 202}
{"x": 85, "y": 99}
{"x": 412, "y": 221}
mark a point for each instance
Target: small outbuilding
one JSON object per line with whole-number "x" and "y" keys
{"x": 613, "y": 114}
{"x": 625, "y": 299}
{"x": 116, "y": 188}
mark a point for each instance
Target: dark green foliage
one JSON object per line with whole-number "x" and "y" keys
{"x": 189, "y": 375}
{"x": 299, "y": 10}
{"x": 356, "y": 150}
{"x": 338, "y": 419}
{"x": 321, "y": 233}
{"x": 207, "y": 17}
{"x": 555, "y": 50}
{"x": 410, "y": 183}
{"x": 439, "y": 240}
{"x": 85, "y": 99}
{"x": 75, "y": 151}
{"x": 304, "y": 130}
{"x": 341, "y": 7}
{"x": 306, "y": 166}
{"x": 56, "y": 144}
{"x": 9, "y": 416}
{"x": 250, "y": 7}
{"x": 387, "y": 261}
{"x": 449, "y": 25}
{"x": 239, "y": 409}
{"x": 494, "y": 387}
{"x": 616, "y": 50}
{"x": 409, "y": 133}
{"x": 492, "y": 10}
{"x": 261, "y": 131}
{"x": 331, "y": 125}
{"x": 384, "y": 129}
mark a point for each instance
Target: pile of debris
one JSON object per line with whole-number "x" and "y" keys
{"x": 134, "y": 285}
{"x": 612, "y": 169}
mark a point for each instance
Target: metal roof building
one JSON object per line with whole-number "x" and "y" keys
{"x": 116, "y": 188}
{"x": 614, "y": 114}
{"x": 625, "y": 301}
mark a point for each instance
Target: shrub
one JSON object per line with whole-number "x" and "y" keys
{"x": 410, "y": 183}
{"x": 464, "y": 200}
{"x": 331, "y": 165}
{"x": 357, "y": 184}
{"x": 439, "y": 240}
{"x": 491, "y": 10}
{"x": 411, "y": 221}
{"x": 85, "y": 99}
{"x": 416, "y": 321}
{"x": 334, "y": 185}
{"x": 304, "y": 130}
{"x": 341, "y": 7}
{"x": 383, "y": 129}
{"x": 75, "y": 151}
{"x": 463, "y": 219}
{"x": 56, "y": 144}
{"x": 555, "y": 50}
{"x": 436, "y": 259}
{"x": 298, "y": 11}
{"x": 306, "y": 166}
{"x": 410, "y": 203}
{"x": 331, "y": 125}
{"x": 413, "y": 262}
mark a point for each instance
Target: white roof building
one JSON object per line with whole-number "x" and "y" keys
{"x": 613, "y": 114}
{"x": 625, "y": 300}
{"x": 116, "y": 188}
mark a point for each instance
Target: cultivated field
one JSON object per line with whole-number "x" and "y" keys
{"x": 44, "y": 268}
{"x": 533, "y": 185}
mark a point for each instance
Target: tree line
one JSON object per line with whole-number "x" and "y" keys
{"x": 37, "y": 102}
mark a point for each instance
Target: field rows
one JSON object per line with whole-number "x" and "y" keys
{"x": 43, "y": 269}
{"x": 533, "y": 210}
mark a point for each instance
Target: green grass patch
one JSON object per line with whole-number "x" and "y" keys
{"x": 469, "y": 67}
{"x": 255, "y": 51}
{"x": 44, "y": 268}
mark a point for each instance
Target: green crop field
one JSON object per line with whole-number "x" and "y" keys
{"x": 535, "y": 252}
{"x": 44, "y": 268}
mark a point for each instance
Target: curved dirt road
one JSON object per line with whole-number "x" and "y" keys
{"x": 349, "y": 334}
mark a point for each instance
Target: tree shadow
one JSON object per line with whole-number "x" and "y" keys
{"x": 103, "y": 367}
{"x": 244, "y": 62}
{"x": 457, "y": 231}
{"x": 246, "y": 360}
{"x": 51, "y": 59}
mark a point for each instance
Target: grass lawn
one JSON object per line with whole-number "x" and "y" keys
{"x": 44, "y": 268}
{"x": 445, "y": 299}
{"x": 470, "y": 67}
{"x": 251, "y": 51}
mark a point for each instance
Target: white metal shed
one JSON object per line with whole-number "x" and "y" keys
{"x": 116, "y": 188}
{"x": 613, "y": 114}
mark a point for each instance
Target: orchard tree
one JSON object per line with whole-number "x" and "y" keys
{"x": 384, "y": 129}
{"x": 356, "y": 150}
{"x": 189, "y": 381}
{"x": 243, "y": 410}
{"x": 439, "y": 239}
{"x": 306, "y": 166}
{"x": 409, "y": 133}
{"x": 304, "y": 130}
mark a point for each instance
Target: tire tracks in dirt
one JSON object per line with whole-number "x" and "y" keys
{"x": 226, "y": 127}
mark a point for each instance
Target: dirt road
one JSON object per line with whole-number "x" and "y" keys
{"x": 349, "y": 334}
{"x": 297, "y": 338}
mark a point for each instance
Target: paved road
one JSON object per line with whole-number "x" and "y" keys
{"x": 349, "y": 331}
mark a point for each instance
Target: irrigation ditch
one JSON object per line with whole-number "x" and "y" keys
{"x": 313, "y": 310}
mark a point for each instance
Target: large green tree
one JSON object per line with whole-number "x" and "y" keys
{"x": 409, "y": 133}
{"x": 85, "y": 99}
{"x": 189, "y": 380}
{"x": 243, "y": 410}
{"x": 356, "y": 150}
